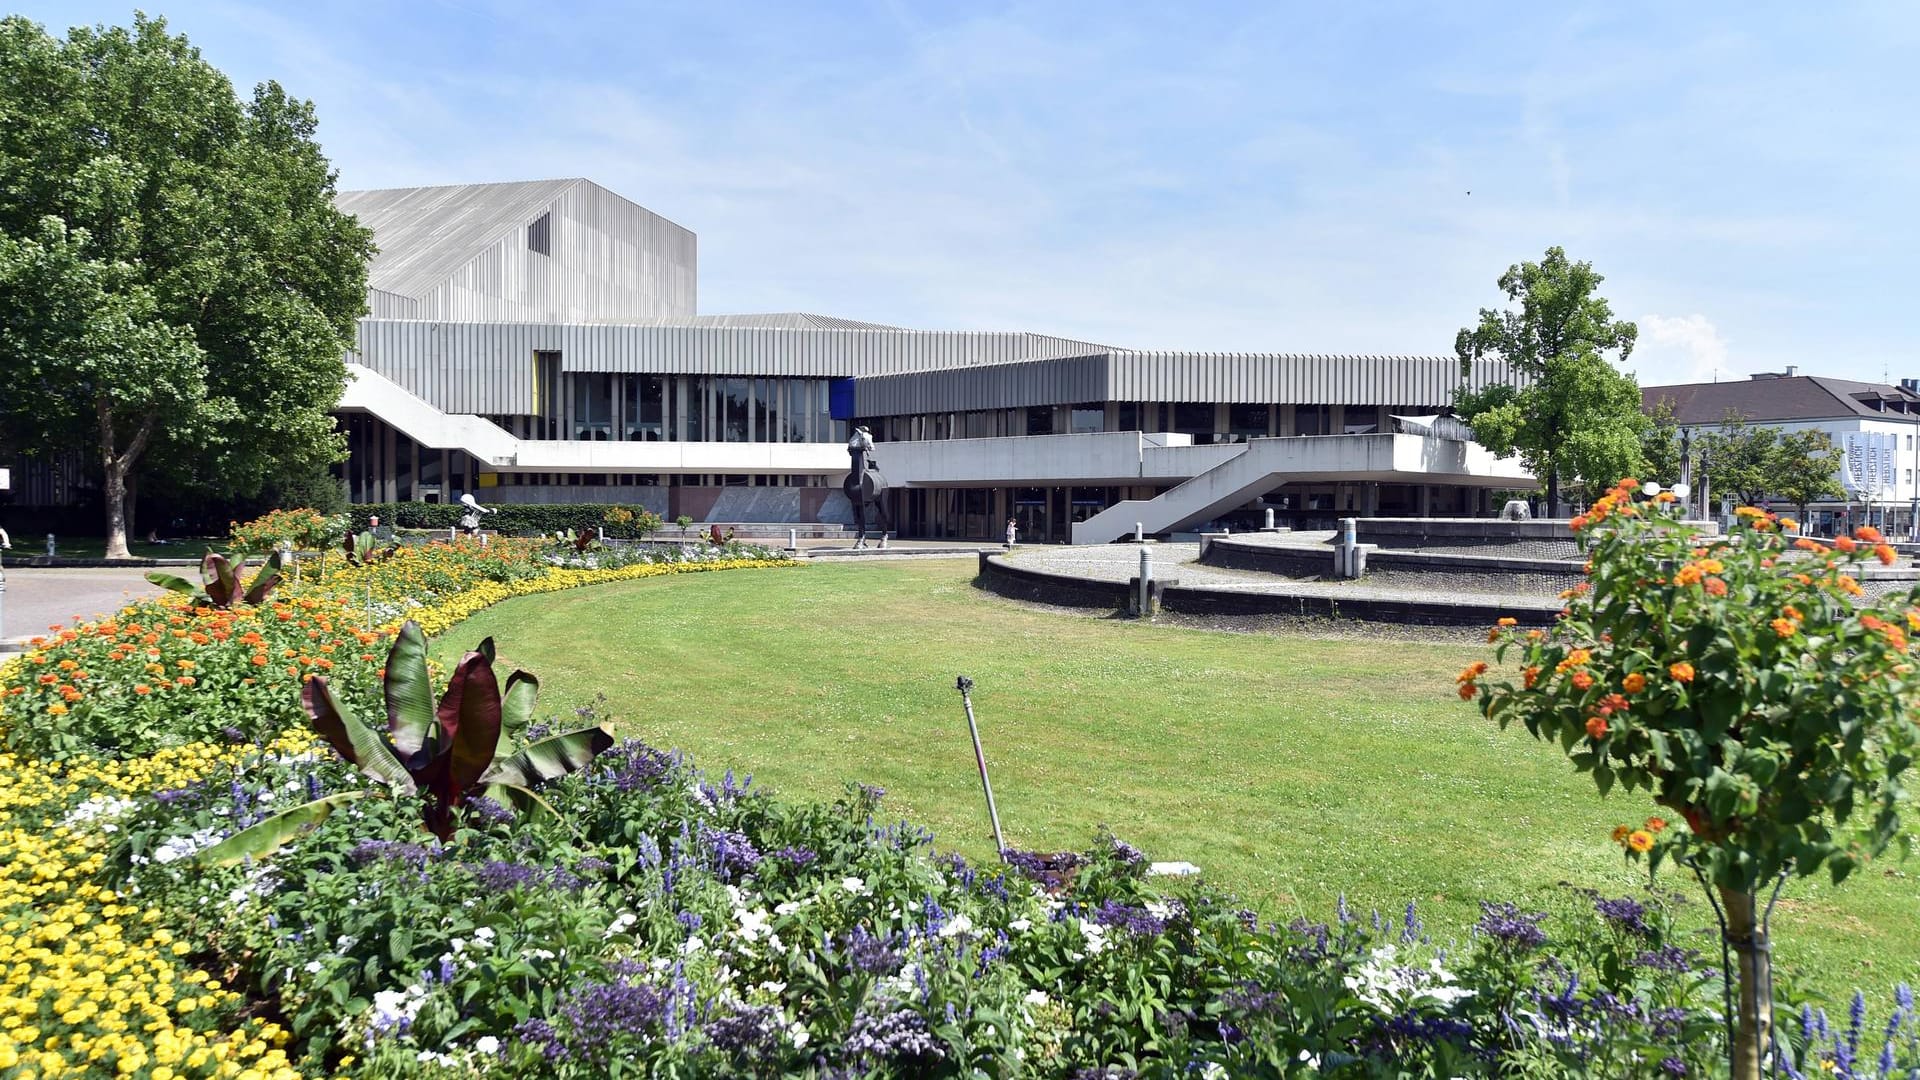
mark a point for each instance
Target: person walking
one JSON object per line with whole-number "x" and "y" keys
{"x": 1012, "y": 532}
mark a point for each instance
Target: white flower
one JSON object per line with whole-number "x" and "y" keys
{"x": 854, "y": 885}
{"x": 182, "y": 847}
{"x": 99, "y": 808}
{"x": 487, "y": 1044}
{"x": 483, "y": 937}
{"x": 1020, "y": 925}
{"x": 1037, "y": 997}
{"x": 797, "y": 1034}
{"x": 956, "y": 926}
{"x": 1096, "y": 936}
{"x": 753, "y": 924}
{"x": 693, "y": 945}
{"x": 772, "y": 988}
{"x": 313, "y": 967}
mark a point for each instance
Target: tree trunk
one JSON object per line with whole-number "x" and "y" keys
{"x": 1753, "y": 963}
{"x": 1553, "y": 492}
{"x": 133, "y": 506}
{"x": 116, "y": 497}
{"x": 116, "y": 466}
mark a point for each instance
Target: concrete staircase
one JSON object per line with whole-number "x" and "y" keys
{"x": 1264, "y": 464}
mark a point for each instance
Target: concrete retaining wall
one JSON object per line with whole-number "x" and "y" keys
{"x": 1039, "y": 586}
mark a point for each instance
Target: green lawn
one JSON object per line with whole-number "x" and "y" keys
{"x": 95, "y": 547}
{"x": 1291, "y": 768}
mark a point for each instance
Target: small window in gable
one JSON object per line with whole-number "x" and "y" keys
{"x": 540, "y": 234}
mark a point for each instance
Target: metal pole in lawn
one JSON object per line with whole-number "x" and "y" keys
{"x": 965, "y": 686}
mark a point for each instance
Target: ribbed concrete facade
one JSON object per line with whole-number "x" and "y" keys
{"x": 545, "y": 335}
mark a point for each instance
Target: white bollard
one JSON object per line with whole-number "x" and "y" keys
{"x": 1146, "y": 578}
{"x": 793, "y": 539}
{"x": 1139, "y": 532}
{"x": 453, "y": 533}
{"x": 1269, "y": 519}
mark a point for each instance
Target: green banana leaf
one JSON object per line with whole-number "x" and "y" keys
{"x": 409, "y": 694}
{"x": 359, "y": 744}
{"x": 516, "y": 704}
{"x": 550, "y": 758}
{"x": 264, "y": 838}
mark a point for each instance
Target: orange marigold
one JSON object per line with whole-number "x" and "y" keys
{"x": 1620, "y": 833}
{"x": 1868, "y": 533}
{"x": 1656, "y": 824}
{"x": 1681, "y": 672}
{"x": 1634, "y": 683}
{"x": 1844, "y": 543}
{"x": 1885, "y": 553}
{"x": 1596, "y": 728}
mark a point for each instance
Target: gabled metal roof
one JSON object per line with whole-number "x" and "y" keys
{"x": 426, "y": 233}
{"x": 1794, "y": 398}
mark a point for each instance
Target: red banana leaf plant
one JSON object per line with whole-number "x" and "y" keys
{"x": 220, "y": 579}
{"x": 448, "y": 754}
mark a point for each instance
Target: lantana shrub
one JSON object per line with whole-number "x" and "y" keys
{"x": 1745, "y": 682}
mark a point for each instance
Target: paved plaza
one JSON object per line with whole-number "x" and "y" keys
{"x": 39, "y": 597}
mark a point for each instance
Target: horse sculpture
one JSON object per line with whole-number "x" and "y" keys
{"x": 864, "y": 487}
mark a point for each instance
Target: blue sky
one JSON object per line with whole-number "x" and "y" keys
{"x": 1279, "y": 177}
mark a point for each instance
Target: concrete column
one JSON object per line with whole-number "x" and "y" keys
{"x": 387, "y": 457}
{"x": 1283, "y": 420}
{"x": 1336, "y": 419}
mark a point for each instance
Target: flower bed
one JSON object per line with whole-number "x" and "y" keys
{"x": 671, "y": 922}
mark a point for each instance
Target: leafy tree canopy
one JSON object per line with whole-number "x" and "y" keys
{"x": 177, "y": 283}
{"x": 1570, "y": 413}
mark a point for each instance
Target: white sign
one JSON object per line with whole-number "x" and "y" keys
{"x": 6, "y": 479}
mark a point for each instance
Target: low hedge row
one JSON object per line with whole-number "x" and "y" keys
{"x": 543, "y": 518}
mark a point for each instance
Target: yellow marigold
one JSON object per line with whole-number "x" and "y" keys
{"x": 1639, "y": 840}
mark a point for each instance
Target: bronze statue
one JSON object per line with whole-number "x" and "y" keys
{"x": 864, "y": 486}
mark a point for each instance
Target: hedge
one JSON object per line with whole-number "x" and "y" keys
{"x": 543, "y": 518}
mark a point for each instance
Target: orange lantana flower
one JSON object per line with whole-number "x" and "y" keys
{"x": 1596, "y": 728}
{"x": 1681, "y": 672}
{"x": 1634, "y": 683}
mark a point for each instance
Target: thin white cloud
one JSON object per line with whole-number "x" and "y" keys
{"x": 1676, "y": 349}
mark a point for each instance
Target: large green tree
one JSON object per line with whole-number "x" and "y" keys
{"x": 177, "y": 285}
{"x": 1805, "y": 467}
{"x": 1569, "y": 413}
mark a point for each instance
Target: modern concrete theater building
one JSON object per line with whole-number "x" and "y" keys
{"x": 540, "y": 342}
